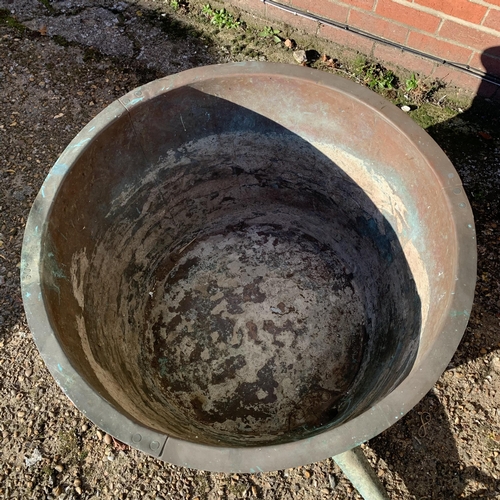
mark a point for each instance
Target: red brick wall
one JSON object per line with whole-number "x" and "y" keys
{"x": 462, "y": 31}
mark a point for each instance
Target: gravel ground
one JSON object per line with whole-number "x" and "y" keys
{"x": 61, "y": 62}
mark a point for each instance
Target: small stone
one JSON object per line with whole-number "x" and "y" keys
{"x": 108, "y": 439}
{"x": 331, "y": 478}
{"x": 483, "y": 351}
{"x": 77, "y": 483}
{"x": 28, "y": 372}
{"x": 325, "y": 491}
{"x": 289, "y": 44}
{"x": 307, "y": 474}
{"x": 59, "y": 468}
{"x": 254, "y": 491}
{"x": 57, "y": 490}
{"x": 300, "y": 56}
{"x": 100, "y": 434}
{"x": 85, "y": 427}
{"x": 405, "y": 108}
{"x": 78, "y": 490}
{"x": 111, "y": 457}
{"x": 495, "y": 364}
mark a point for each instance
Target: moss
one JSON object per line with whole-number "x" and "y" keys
{"x": 61, "y": 41}
{"x": 46, "y": 4}
{"x": 91, "y": 54}
{"x": 427, "y": 114}
{"x": 6, "y": 19}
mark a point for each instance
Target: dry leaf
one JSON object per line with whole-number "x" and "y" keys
{"x": 119, "y": 446}
{"x": 485, "y": 135}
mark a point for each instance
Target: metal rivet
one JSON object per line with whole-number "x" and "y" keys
{"x": 154, "y": 445}
{"x": 136, "y": 438}
{"x": 461, "y": 205}
{"x": 457, "y": 191}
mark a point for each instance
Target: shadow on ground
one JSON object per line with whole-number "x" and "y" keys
{"x": 423, "y": 448}
{"x": 59, "y": 68}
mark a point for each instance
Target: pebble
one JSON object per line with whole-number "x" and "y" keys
{"x": 495, "y": 364}
{"x": 108, "y": 439}
{"x": 307, "y": 474}
{"x": 331, "y": 478}
{"x": 57, "y": 490}
{"x": 110, "y": 457}
{"x": 254, "y": 491}
{"x": 28, "y": 372}
{"x": 85, "y": 427}
{"x": 77, "y": 483}
{"x": 59, "y": 468}
{"x": 78, "y": 490}
{"x": 405, "y": 108}
{"x": 100, "y": 434}
{"x": 300, "y": 56}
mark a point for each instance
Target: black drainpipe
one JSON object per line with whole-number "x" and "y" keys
{"x": 462, "y": 67}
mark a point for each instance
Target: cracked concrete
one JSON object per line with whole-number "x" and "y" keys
{"x": 116, "y": 29}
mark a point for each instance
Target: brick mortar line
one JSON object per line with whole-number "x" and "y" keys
{"x": 444, "y": 16}
{"x": 485, "y": 4}
{"x": 485, "y": 16}
{"x": 411, "y": 29}
{"x": 377, "y": 39}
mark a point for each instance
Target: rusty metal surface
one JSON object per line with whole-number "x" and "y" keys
{"x": 249, "y": 267}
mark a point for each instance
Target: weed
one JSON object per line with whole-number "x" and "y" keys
{"x": 377, "y": 77}
{"x": 91, "y": 54}
{"x": 412, "y": 83}
{"x": 61, "y": 41}
{"x": 359, "y": 65}
{"x": 238, "y": 489}
{"x": 8, "y": 20}
{"x": 174, "y": 4}
{"x": 221, "y": 18}
{"x": 68, "y": 443}
{"x": 269, "y": 32}
{"x": 47, "y": 470}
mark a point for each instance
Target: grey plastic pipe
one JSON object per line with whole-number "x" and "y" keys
{"x": 358, "y": 470}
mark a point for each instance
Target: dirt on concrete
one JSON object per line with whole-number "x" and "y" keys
{"x": 61, "y": 63}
